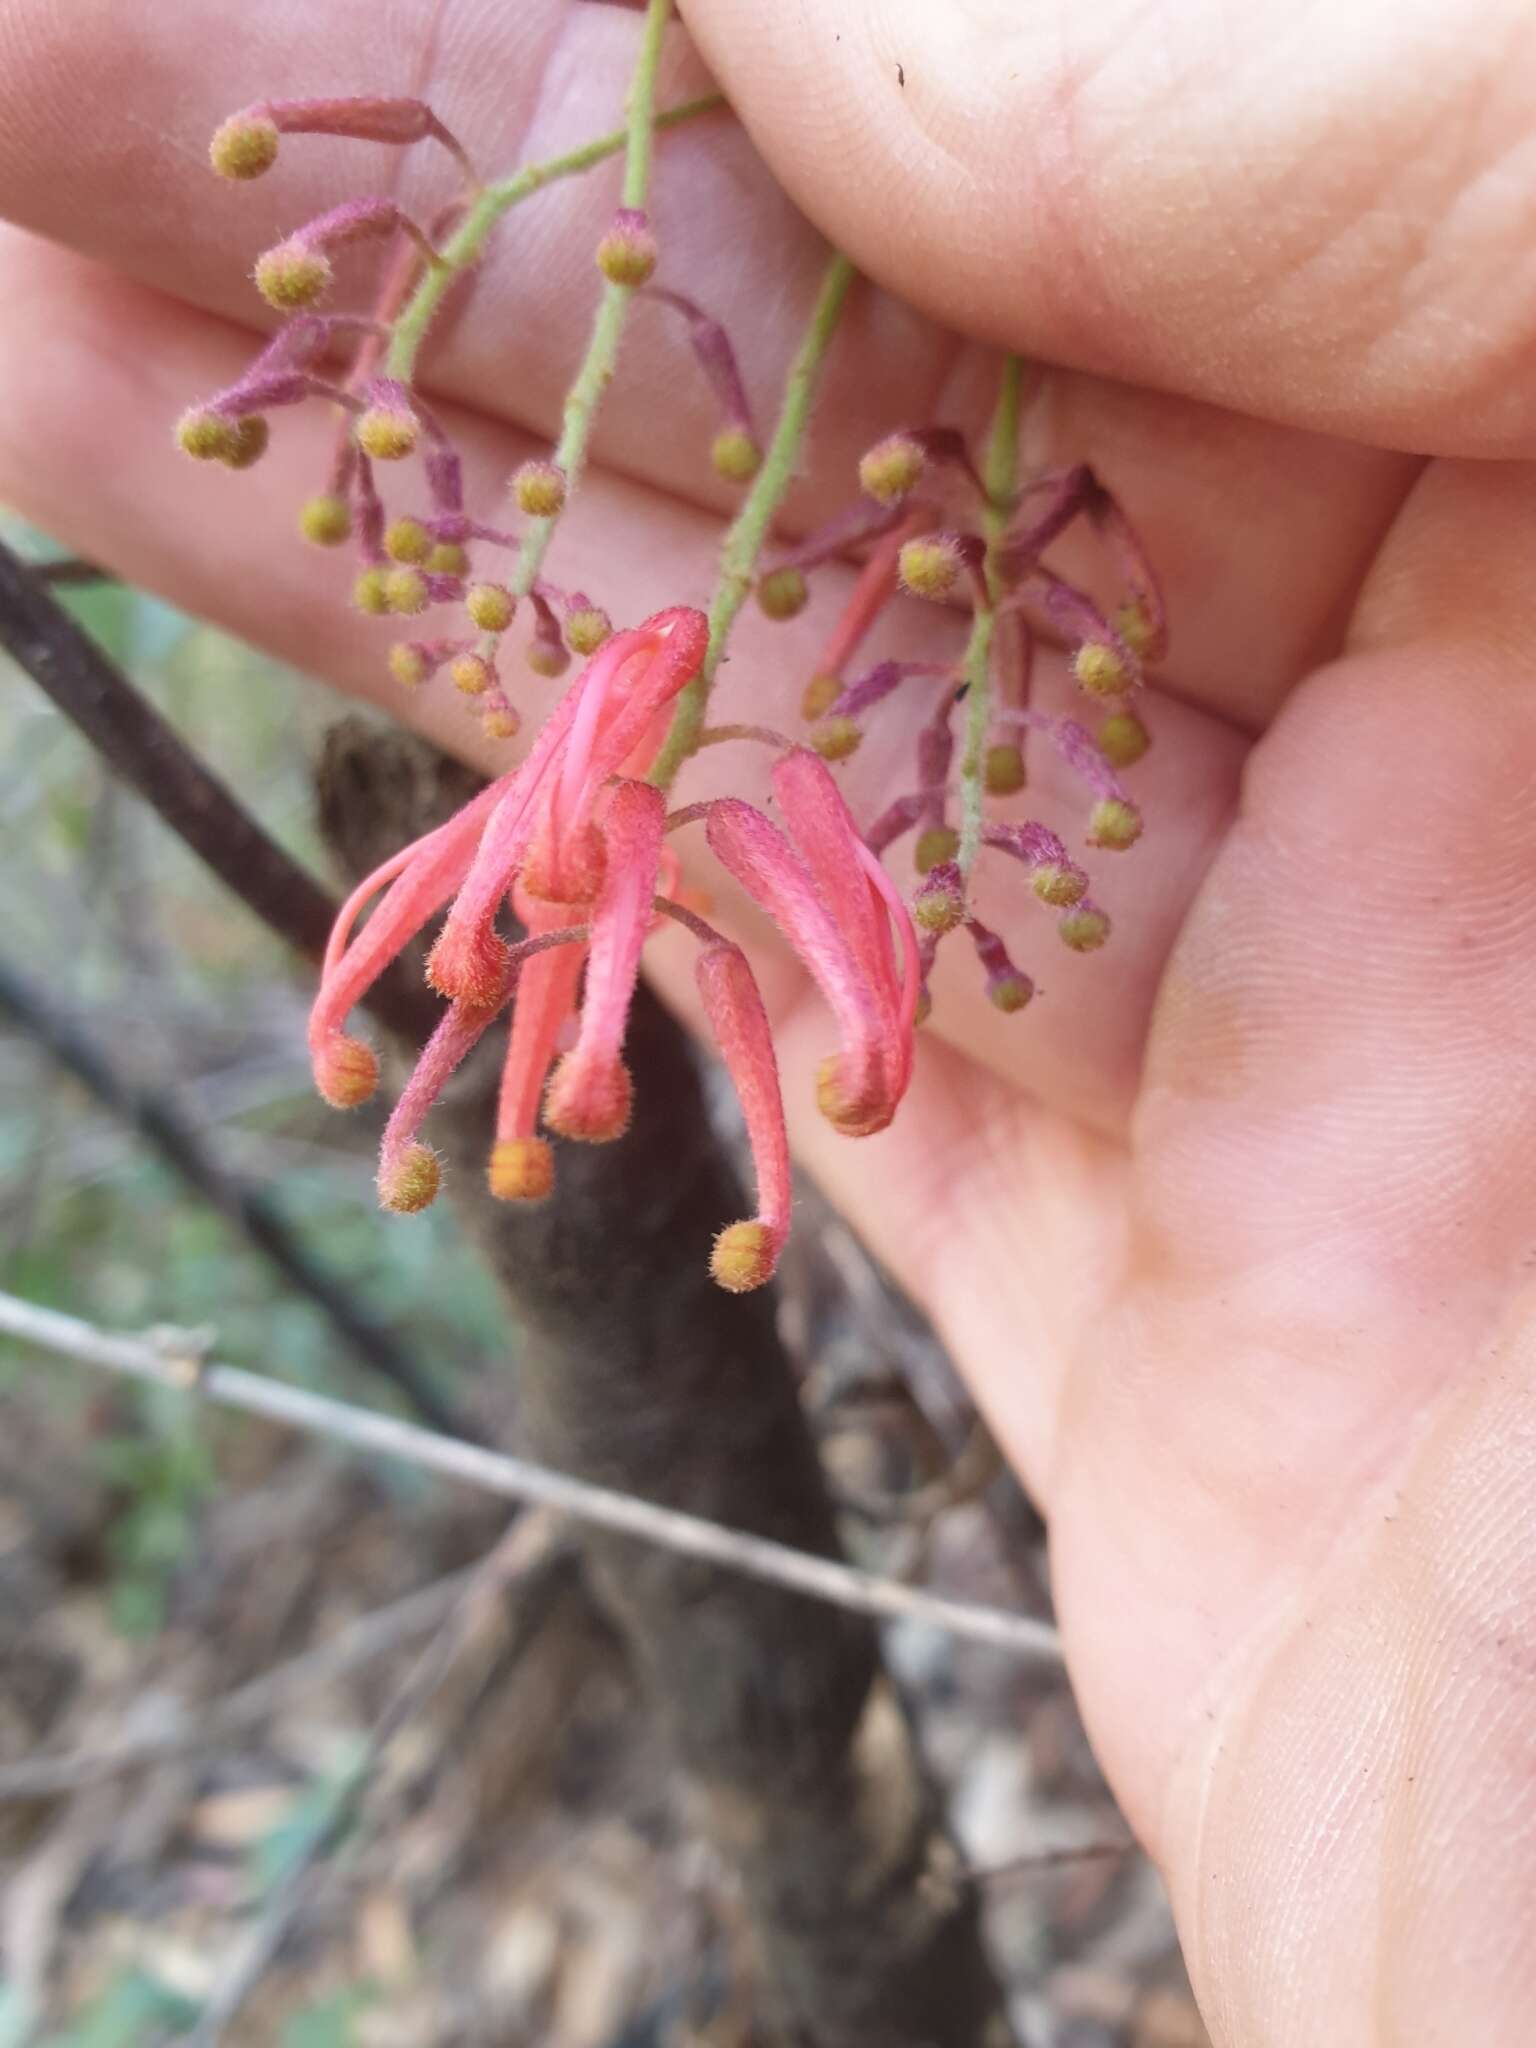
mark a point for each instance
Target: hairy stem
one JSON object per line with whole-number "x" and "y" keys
{"x": 743, "y": 544}
{"x": 1000, "y": 475}
{"x": 596, "y": 372}
{"x": 467, "y": 244}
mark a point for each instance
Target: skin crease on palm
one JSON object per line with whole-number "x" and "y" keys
{"x": 1233, "y": 1230}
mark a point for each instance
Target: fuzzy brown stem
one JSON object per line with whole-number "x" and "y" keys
{"x": 638, "y": 1373}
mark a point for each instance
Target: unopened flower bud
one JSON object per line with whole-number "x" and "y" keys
{"x": 891, "y": 469}
{"x": 408, "y": 664}
{"x": 781, "y": 593}
{"x": 501, "y": 721}
{"x": 1084, "y": 929}
{"x": 539, "y": 488}
{"x": 547, "y": 658}
{"x": 1123, "y": 739}
{"x": 836, "y": 738}
{"x": 1099, "y": 670}
{"x": 1003, "y": 770}
{"x": 387, "y": 430}
{"x": 370, "y": 593}
{"x": 627, "y": 253}
{"x": 1009, "y": 991}
{"x": 245, "y": 146}
{"x": 1058, "y": 886}
{"x": 252, "y": 434}
{"x": 407, "y": 540}
{"x": 472, "y": 674}
{"x": 820, "y": 694}
{"x": 346, "y": 1072}
{"x": 937, "y": 844}
{"x": 521, "y": 1170}
{"x": 586, "y": 628}
{"x": 446, "y": 558}
{"x": 930, "y": 565}
{"x": 405, "y": 591}
{"x": 410, "y": 1182}
{"x": 326, "y": 522}
{"x": 293, "y": 276}
{"x": 744, "y": 1257}
{"x": 735, "y": 455}
{"x": 207, "y": 436}
{"x": 1136, "y": 627}
{"x": 491, "y": 606}
{"x": 939, "y": 904}
{"x": 1114, "y": 824}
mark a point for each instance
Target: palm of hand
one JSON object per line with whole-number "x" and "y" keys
{"x": 1230, "y": 1231}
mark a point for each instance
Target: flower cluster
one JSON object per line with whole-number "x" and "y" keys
{"x": 539, "y": 895}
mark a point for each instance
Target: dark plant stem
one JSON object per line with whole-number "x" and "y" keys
{"x": 157, "y": 1119}
{"x": 637, "y": 1372}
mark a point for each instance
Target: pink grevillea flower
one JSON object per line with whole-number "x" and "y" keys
{"x": 576, "y": 845}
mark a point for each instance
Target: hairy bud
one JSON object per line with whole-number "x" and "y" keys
{"x": 735, "y": 455}
{"x": 782, "y": 593}
{"x": 627, "y": 253}
{"x": 539, "y": 488}
{"x": 521, "y": 1170}
{"x": 407, "y": 540}
{"x": 1099, "y": 669}
{"x": 370, "y": 592}
{"x": 1114, "y": 824}
{"x": 1010, "y": 991}
{"x": 207, "y": 436}
{"x": 410, "y": 1182}
{"x": 939, "y": 904}
{"x": 292, "y": 276}
{"x": 587, "y": 626}
{"x": 501, "y": 721}
{"x": 1058, "y": 886}
{"x": 819, "y": 695}
{"x": 892, "y": 468}
{"x": 491, "y": 606}
{"x": 744, "y": 1257}
{"x": 547, "y": 658}
{"x": 446, "y": 558}
{"x": 408, "y": 664}
{"x": 930, "y": 565}
{"x": 1084, "y": 928}
{"x": 836, "y": 738}
{"x": 326, "y": 522}
{"x": 405, "y": 591}
{"x": 388, "y": 429}
{"x": 244, "y": 146}
{"x": 1003, "y": 770}
{"x": 472, "y": 675}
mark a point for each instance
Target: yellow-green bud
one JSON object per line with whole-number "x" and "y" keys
{"x": 407, "y": 664}
{"x": 627, "y": 253}
{"x": 326, "y": 522}
{"x": 206, "y": 436}
{"x": 735, "y": 455}
{"x": 370, "y": 593}
{"x": 1060, "y": 887}
{"x": 245, "y": 146}
{"x": 820, "y": 694}
{"x": 1003, "y": 770}
{"x": 890, "y": 469}
{"x": 291, "y": 276}
{"x": 1123, "y": 739}
{"x": 937, "y": 843}
{"x": 1134, "y": 624}
{"x": 1010, "y": 992}
{"x": 937, "y": 908}
{"x": 1114, "y": 824}
{"x": 491, "y": 606}
{"x": 1083, "y": 930}
{"x": 744, "y": 1257}
{"x": 501, "y": 722}
{"x": 406, "y": 591}
{"x": 929, "y": 565}
{"x": 539, "y": 488}
{"x": 836, "y": 738}
{"x": 586, "y": 629}
{"x": 547, "y": 658}
{"x": 385, "y": 433}
{"x": 407, "y": 540}
{"x": 472, "y": 674}
{"x": 412, "y": 1182}
{"x": 1099, "y": 670}
{"x": 251, "y": 437}
{"x": 446, "y": 559}
{"x": 781, "y": 593}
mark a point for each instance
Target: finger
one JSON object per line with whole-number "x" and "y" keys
{"x": 1259, "y": 579}
{"x": 1316, "y": 224}
{"x": 82, "y": 451}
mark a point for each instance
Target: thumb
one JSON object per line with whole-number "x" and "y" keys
{"x": 1322, "y": 217}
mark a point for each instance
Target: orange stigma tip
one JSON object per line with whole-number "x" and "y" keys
{"x": 521, "y": 1170}
{"x": 346, "y": 1072}
{"x": 744, "y": 1257}
{"x": 412, "y": 1182}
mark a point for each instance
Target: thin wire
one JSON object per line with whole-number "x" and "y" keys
{"x": 173, "y": 1360}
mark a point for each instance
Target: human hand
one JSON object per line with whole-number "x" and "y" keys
{"x": 1230, "y": 1230}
